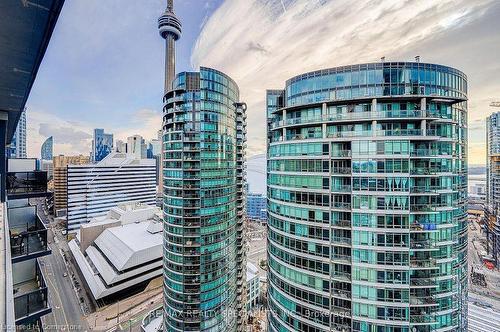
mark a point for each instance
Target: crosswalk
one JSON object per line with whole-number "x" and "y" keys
{"x": 483, "y": 319}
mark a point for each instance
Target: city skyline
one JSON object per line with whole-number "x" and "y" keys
{"x": 257, "y": 50}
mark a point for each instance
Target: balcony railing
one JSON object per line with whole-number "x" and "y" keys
{"x": 26, "y": 184}
{"x": 30, "y": 298}
{"x": 28, "y": 234}
{"x": 353, "y": 116}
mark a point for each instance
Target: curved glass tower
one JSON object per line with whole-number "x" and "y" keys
{"x": 203, "y": 181}
{"x": 47, "y": 149}
{"x": 367, "y": 224}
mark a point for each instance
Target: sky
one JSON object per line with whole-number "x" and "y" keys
{"x": 104, "y": 65}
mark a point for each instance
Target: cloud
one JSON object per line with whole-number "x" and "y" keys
{"x": 63, "y": 134}
{"x": 72, "y": 137}
{"x": 144, "y": 122}
{"x": 261, "y": 45}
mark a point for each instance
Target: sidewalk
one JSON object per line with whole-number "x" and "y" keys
{"x": 107, "y": 318}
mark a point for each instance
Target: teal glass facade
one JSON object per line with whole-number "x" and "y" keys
{"x": 367, "y": 192}
{"x": 203, "y": 180}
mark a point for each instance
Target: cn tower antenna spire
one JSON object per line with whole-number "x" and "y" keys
{"x": 170, "y": 28}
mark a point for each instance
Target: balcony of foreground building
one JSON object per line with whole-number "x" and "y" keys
{"x": 26, "y": 184}
{"x": 30, "y": 292}
{"x": 28, "y": 234}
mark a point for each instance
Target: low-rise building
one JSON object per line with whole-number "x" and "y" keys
{"x": 253, "y": 286}
{"x": 121, "y": 250}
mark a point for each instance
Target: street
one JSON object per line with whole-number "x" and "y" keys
{"x": 66, "y": 311}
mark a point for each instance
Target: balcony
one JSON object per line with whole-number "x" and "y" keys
{"x": 30, "y": 292}
{"x": 28, "y": 234}
{"x": 26, "y": 184}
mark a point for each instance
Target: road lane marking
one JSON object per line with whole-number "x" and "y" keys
{"x": 60, "y": 301}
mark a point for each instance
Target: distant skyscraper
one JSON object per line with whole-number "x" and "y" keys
{"x": 493, "y": 185}
{"x": 493, "y": 160}
{"x": 367, "y": 200}
{"x": 119, "y": 178}
{"x": 257, "y": 206}
{"x": 155, "y": 147}
{"x": 121, "y": 146}
{"x": 136, "y": 146}
{"x": 47, "y": 150}
{"x": 18, "y": 144}
{"x": 102, "y": 145}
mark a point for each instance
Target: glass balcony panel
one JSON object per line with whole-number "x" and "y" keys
{"x": 30, "y": 292}
{"x": 26, "y": 184}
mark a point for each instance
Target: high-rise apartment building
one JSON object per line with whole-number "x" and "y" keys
{"x": 60, "y": 165}
{"x": 492, "y": 209}
{"x": 47, "y": 149}
{"x": 367, "y": 219}
{"x": 93, "y": 189}
{"x": 203, "y": 185}
{"x": 17, "y": 147}
{"x": 204, "y": 137}
{"x": 136, "y": 146}
{"x": 493, "y": 160}
{"x": 102, "y": 145}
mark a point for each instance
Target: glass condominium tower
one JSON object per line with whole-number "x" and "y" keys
{"x": 203, "y": 185}
{"x": 367, "y": 223}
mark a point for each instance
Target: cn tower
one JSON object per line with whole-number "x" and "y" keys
{"x": 170, "y": 30}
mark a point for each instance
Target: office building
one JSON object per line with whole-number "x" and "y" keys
{"x": 121, "y": 146}
{"x": 154, "y": 148}
{"x": 367, "y": 199}
{"x": 47, "y": 150}
{"x": 93, "y": 189}
{"x": 136, "y": 147}
{"x": 47, "y": 166}
{"x": 60, "y": 165}
{"x": 492, "y": 208}
{"x": 256, "y": 207}
{"x": 23, "y": 237}
{"x": 253, "y": 286}
{"x": 102, "y": 145}
{"x": 120, "y": 252}
{"x": 17, "y": 147}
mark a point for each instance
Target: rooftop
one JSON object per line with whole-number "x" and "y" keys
{"x": 118, "y": 159}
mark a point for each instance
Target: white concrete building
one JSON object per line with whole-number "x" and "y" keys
{"x": 120, "y": 250}
{"x": 121, "y": 146}
{"x": 253, "y": 286}
{"x": 136, "y": 146}
{"x": 95, "y": 188}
